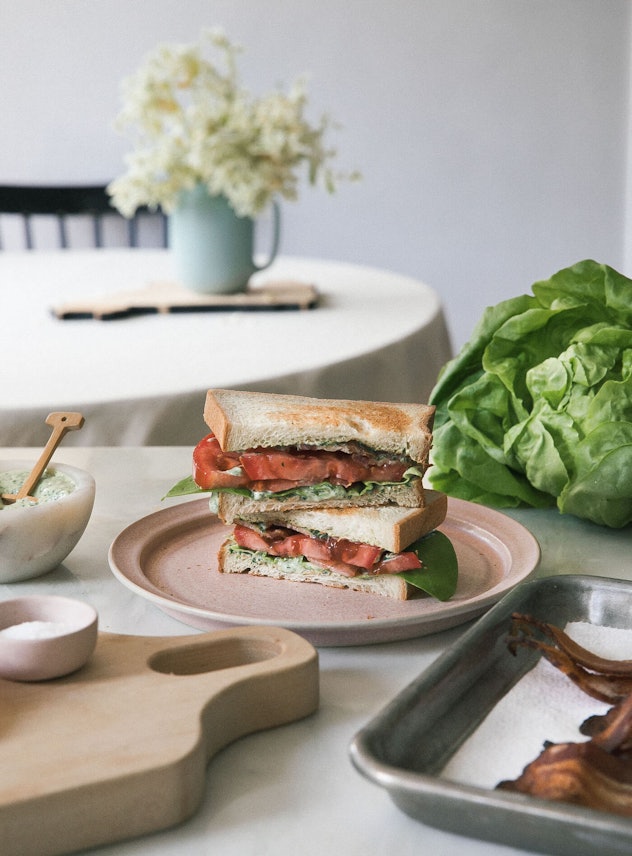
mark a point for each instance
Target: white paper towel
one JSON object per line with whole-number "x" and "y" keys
{"x": 543, "y": 705}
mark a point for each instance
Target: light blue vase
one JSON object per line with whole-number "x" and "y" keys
{"x": 213, "y": 248}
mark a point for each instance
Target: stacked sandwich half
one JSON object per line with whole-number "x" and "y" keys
{"x": 324, "y": 491}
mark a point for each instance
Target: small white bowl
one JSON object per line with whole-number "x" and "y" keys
{"x": 27, "y": 654}
{"x": 35, "y": 539}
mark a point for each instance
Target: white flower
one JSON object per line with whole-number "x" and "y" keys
{"x": 192, "y": 123}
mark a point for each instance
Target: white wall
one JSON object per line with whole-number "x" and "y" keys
{"x": 492, "y": 134}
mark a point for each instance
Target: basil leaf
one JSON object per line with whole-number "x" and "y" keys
{"x": 439, "y": 574}
{"x": 187, "y": 486}
{"x": 184, "y": 487}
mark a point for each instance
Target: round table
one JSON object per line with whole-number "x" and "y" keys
{"x": 290, "y": 789}
{"x": 142, "y": 380}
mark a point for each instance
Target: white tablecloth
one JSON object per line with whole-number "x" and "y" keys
{"x": 142, "y": 380}
{"x": 290, "y": 790}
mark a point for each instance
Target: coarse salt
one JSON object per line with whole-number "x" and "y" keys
{"x": 36, "y": 629}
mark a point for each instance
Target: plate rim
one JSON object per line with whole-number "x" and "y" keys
{"x": 461, "y": 513}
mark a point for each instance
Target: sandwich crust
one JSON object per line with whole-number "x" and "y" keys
{"x": 244, "y": 420}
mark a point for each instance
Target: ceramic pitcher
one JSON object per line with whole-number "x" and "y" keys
{"x": 213, "y": 248}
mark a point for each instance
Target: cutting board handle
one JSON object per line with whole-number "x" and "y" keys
{"x": 243, "y": 680}
{"x": 216, "y": 652}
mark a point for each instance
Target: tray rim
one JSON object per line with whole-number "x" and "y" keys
{"x": 515, "y": 811}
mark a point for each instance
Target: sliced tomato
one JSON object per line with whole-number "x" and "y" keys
{"x": 316, "y": 550}
{"x": 338, "y": 554}
{"x": 273, "y": 485}
{"x": 401, "y": 562}
{"x": 291, "y": 545}
{"x": 268, "y": 464}
{"x": 277, "y": 542}
{"x": 250, "y": 539}
{"x": 339, "y": 568}
{"x": 361, "y": 555}
{"x": 276, "y": 470}
{"x": 318, "y": 465}
{"x": 210, "y": 465}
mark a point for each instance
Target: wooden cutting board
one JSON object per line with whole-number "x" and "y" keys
{"x": 163, "y": 297}
{"x": 120, "y": 748}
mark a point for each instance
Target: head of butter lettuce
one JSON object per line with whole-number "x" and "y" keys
{"x": 536, "y": 409}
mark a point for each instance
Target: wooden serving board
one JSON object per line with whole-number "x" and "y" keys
{"x": 163, "y": 297}
{"x": 120, "y": 748}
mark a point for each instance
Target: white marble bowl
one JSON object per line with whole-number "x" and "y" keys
{"x": 35, "y": 539}
{"x": 45, "y": 636}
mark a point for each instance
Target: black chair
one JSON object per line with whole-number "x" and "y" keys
{"x": 28, "y": 201}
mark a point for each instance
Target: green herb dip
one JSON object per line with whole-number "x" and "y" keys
{"x": 53, "y": 485}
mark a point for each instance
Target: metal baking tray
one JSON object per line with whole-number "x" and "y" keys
{"x": 406, "y": 746}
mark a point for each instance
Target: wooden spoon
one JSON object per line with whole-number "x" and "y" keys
{"x": 61, "y": 422}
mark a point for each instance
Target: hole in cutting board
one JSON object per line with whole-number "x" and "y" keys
{"x": 213, "y": 656}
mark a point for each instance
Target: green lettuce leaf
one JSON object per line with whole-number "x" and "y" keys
{"x": 439, "y": 574}
{"x": 537, "y": 407}
{"x": 321, "y": 491}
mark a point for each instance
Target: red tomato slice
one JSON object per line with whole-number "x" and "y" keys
{"x": 315, "y": 549}
{"x": 272, "y": 486}
{"x": 337, "y": 554}
{"x": 361, "y": 555}
{"x": 250, "y": 539}
{"x": 210, "y": 464}
{"x": 291, "y": 545}
{"x": 340, "y": 568}
{"x": 277, "y": 470}
{"x": 318, "y": 465}
{"x": 264, "y": 465}
{"x": 401, "y": 562}
{"x": 277, "y": 542}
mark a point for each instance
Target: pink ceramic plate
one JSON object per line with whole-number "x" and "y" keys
{"x": 169, "y": 558}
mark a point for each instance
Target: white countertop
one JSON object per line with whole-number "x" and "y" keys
{"x": 142, "y": 380}
{"x": 291, "y": 789}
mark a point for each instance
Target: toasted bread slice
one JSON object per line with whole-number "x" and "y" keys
{"x": 391, "y": 527}
{"x": 245, "y": 420}
{"x": 231, "y": 507}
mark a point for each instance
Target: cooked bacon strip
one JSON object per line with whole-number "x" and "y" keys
{"x": 597, "y": 773}
{"x": 606, "y": 680}
{"x": 612, "y": 731}
{"x": 579, "y": 655}
{"x": 579, "y": 773}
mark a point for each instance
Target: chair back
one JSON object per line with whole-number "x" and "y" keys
{"x": 64, "y": 202}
